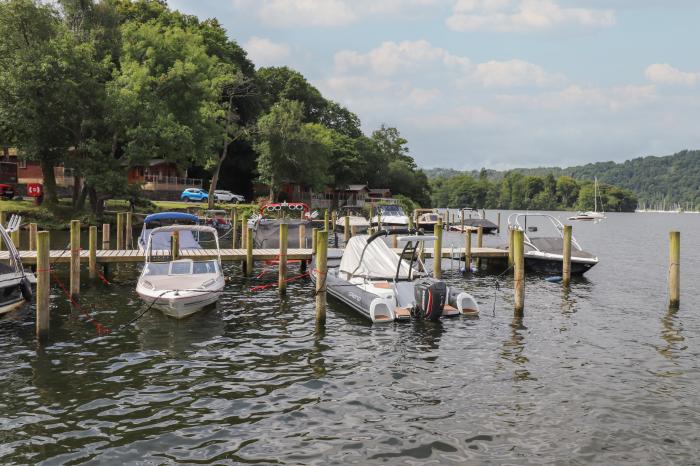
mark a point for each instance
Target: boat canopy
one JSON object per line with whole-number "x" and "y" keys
{"x": 390, "y": 210}
{"x": 171, "y": 228}
{"x": 171, "y": 216}
{"x": 378, "y": 261}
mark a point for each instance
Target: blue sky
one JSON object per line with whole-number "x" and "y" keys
{"x": 491, "y": 83}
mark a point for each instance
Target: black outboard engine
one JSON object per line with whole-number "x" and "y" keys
{"x": 430, "y": 296}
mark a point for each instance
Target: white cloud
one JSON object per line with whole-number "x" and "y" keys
{"x": 523, "y": 15}
{"x": 264, "y": 52}
{"x": 663, "y": 73}
{"x": 421, "y": 97}
{"x": 577, "y": 97}
{"x": 513, "y": 73}
{"x": 326, "y": 13}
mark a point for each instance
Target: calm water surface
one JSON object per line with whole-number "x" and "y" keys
{"x": 601, "y": 374}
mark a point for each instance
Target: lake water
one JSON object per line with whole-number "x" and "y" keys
{"x": 601, "y": 374}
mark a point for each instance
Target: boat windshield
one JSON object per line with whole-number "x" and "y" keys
{"x": 391, "y": 211}
{"x": 181, "y": 268}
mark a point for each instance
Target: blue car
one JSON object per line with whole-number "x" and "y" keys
{"x": 194, "y": 195}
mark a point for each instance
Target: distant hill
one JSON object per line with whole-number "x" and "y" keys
{"x": 674, "y": 178}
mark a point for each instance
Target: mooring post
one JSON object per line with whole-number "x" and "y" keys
{"x": 394, "y": 241}
{"x": 314, "y": 231}
{"x": 479, "y": 243}
{"x": 249, "y": 252}
{"x": 43, "y": 284}
{"x": 326, "y": 220}
{"x": 105, "y": 236}
{"x": 519, "y": 278}
{"x": 321, "y": 269}
{"x": 32, "y": 236}
{"x": 511, "y": 247}
{"x": 346, "y": 229}
{"x": 566, "y": 253}
{"x": 410, "y": 222}
{"x": 16, "y": 238}
{"x": 234, "y": 227}
{"x": 92, "y": 258}
{"x": 437, "y": 250}
{"x": 128, "y": 231}
{"x": 302, "y": 236}
{"x": 244, "y": 232}
{"x": 74, "y": 257}
{"x": 468, "y": 250}
{"x": 334, "y": 218}
{"x": 120, "y": 231}
{"x": 498, "y": 222}
{"x": 282, "y": 280}
{"x": 461, "y": 221}
{"x": 175, "y": 245}
{"x": 674, "y": 271}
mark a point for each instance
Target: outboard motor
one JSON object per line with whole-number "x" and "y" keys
{"x": 430, "y": 296}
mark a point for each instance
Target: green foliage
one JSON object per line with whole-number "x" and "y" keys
{"x": 518, "y": 192}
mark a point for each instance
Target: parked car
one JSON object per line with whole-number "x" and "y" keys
{"x": 7, "y": 191}
{"x": 222, "y": 195}
{"x": 194, "y": 195}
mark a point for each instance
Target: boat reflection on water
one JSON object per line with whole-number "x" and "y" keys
{"x": 159, "y": 332}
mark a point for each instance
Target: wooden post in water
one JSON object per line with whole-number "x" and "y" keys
{"x": 105, "y": 236}
{"x": 479, "y": 243}
{"x": 394, "y": 241}
{"x": 346, "y": 229}
{"x": 128, "y": 231}
{"x": 175, "y": 245}
{"x": 674, "y": 271}
{"x": 314, "y": 231}
{"x": 461, "y": 220}
{"x": 234, "y": 227}
{"x": 249, "y": 252}
{"x": 566, "y": 257}
{"x": 468, "y": 250}
{"x": 410, "y": 222}
{"x": 519, "y": 276}
{"x": 32, "y": 236}
{"x": 302, "y": 236}
{"x": 321, "y": 269}
{"x": 120, "y": 231}
{"x": 92, "y": 248}
{"x": 334, "y": 218}
{"x": 282, "y": 280}
{"x": 244, "y": 232}
{"x": 74, "y": 257}
{"x": 43, "y": 285}
{"x": 511, "y": 246}
{"x": 498, "y": 222}
{"x": 326, "y": 220}
{"x": 437, "y": 250}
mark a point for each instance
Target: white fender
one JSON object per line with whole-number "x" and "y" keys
{"x": 382, "y": 310}
{"x": 466, "y": 304}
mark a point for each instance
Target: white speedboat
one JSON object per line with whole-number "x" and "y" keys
{"x": 15, "y": 283}
{"x": 390, "y": 215}
{"x": 545, "y": 252}
{"x": 266, "y": 225}
{"x": 162, "y": 240}
{"x": 355, "y": 217}
{"x": 385, "y": 287}
{"x": 180, "y": 286}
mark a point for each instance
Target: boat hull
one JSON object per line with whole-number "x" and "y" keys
{"x": 553, "y": 265}
{"x": 179, "y": 305}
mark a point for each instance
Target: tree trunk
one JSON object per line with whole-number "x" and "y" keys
{"x": 80, "y": 202}
{"x": 272, "y": 189}
{"x": 77, "y": 188}
{"x": 50, "y": 195}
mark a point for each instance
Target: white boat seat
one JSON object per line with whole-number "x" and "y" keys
{"x": 383, "y": 285}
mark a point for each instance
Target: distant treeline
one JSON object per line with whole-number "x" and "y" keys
{"x": 528, "y": 192}
{"x": 672, "y": 178}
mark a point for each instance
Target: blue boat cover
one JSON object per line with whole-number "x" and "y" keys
{"x": 171, "y": 216}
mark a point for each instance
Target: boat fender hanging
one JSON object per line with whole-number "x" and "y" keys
{"x": 26, "y": 289}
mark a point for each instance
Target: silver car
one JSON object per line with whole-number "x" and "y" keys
{"x": 221, "y": 195}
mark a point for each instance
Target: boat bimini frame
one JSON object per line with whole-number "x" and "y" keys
{"x": 514, "y": 224}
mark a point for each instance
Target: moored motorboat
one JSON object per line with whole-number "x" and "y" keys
{"x": 15, "y": 282}
{"x": 162, "y": 239}
{"x": 426, "y": 219}
{"x": 391, "y": 215}
{"x": 385, "y": 287}
{"x": 180, "y": 286}
{"x": 544, "y": 253}
{"x": 471, "y": 219}
{"x": 218, "y": 219}
{"x": 266, "y": 224}
{"x": 356, "y": 219}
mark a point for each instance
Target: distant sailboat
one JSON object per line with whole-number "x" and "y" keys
{"x": 592, "y": 215}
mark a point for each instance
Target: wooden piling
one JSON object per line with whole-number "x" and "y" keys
{"x": 334, "y": 218}
{"x": 479, "y": 243}
{"x": 16, "y": 238}
{"x": 302, "y": 236}
{"x": 282, "y": 280}
{"x": 519, "y": 275}
{"x": 249, "y": 252}
{"x": 43, "y": 284}
{"x": 75, "y": 257}
{"x": 468, "y": 250}
{"x": 437, "y": 250}
{"x": 346, "y": 229}
{"x": 394, "y": 241}
{"x": 175, "y": 245}
{"x": 128, "y": 231}
{"x": 32, "y": 236}
{"x": 314, "y": 231}
{"x": 92, "y": 248}
{"x": 498, "y": 222}
{"x": 105, "y": 236}
{"x": 326, "y": 220}
{"x": 566, "y": 257}
{"x": 461, "y": 221}
{"x": 410, "y": 222}
{"x": 674, "y": 271}
{"x": 321, "y": 269}
{"x": 244, "y": 232}
{"x": 510, "y": 247}
{"x": 120, "y": 231}
{"x": 234, "y": 228}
